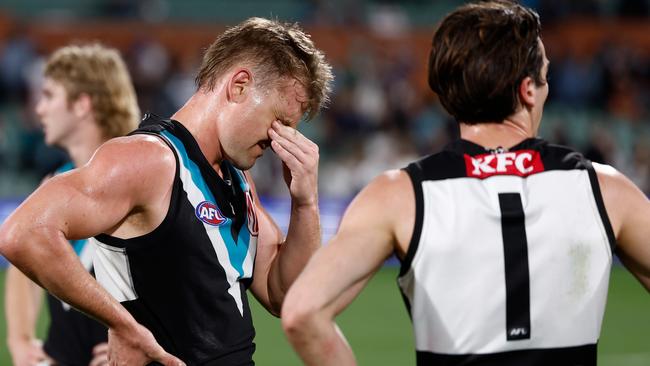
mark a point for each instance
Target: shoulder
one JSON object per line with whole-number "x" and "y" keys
{"x": 385, "y": 208}
{"x": 136, "y": 144}
{"x": 611, "y": 179}
{"x": 139, "y": 166}
{"x": 621, "y": 196}
{"x": 138, "y": 153}
{"x": 390, "y": 181}
{"x": 384, "y": 196}
{"x": 615, "y": 185}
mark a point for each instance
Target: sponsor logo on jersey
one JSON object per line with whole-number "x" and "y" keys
{"x": 517, "y": 332}
{"x": 520, "y": 163}
{"x": 209, "y": 213}
{"x": 251, "y": 215}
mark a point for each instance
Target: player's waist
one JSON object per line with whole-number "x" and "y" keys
{"x": 585, "y": 355}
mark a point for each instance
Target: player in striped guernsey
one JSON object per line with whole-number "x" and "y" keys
{"x": 506, "y": 241}
{"x": 181, "y": 233}
{"x": 87, "y": 98}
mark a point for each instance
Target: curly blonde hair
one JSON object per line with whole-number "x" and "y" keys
{"x": 100, "y": 73}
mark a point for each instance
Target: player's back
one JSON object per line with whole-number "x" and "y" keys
{"x": 510, "y": 258}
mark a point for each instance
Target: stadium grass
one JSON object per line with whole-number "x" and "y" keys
{"x": 378, "y": 328}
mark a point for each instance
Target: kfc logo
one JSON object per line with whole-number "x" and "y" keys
{"x": 520, "y": 163}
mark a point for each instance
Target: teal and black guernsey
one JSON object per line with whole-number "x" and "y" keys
{"x": 72, "y": 335}
{"x": 186, "y": 280}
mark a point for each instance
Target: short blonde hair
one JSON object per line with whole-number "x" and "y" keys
{"x": 275, "y": 50}
{"x": 100, "y": 73}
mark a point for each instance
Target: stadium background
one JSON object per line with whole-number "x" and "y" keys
{"x": 382, "y": 116}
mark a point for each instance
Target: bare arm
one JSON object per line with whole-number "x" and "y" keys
{"x": 80, "y": 204}
{"x": 629, "y": 212}
{"x": 279, "y": 261}
{"x": 23, "y": 299}
{"x": 368, "y": 234}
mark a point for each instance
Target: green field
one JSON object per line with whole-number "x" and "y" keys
{"x": 379, "y": 331}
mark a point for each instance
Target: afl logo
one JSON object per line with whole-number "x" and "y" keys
{"x": 209, "y": 213}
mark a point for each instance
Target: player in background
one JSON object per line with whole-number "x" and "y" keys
{"x": 506, "y": 241}
{"x": 86, "y": 99}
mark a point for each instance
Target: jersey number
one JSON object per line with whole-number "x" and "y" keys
{"x": 515, "y": 250}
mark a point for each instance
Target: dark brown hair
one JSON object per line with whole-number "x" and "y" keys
{"x": 274, "y": 50}
{"x": 480, "y": 54}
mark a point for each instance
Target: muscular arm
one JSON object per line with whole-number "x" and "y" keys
{"x": 23, "y": 301}
{"x": 279, "y": 261}
{"x": 369, "y": 232}
{"x": 629, "y": 212}
{"x": 90, "y": 200}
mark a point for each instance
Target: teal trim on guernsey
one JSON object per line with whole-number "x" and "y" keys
{"x": 64, "y": 168}
{"x": 238, "y": 249}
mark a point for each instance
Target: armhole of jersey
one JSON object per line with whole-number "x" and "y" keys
{"x": 173, "y": 206}
{"x": 595, "y": 188}
{"x": 178, "y": 162}
{"x": 416, "y": 179}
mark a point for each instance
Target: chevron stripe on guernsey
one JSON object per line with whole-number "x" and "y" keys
{"x": 236, "y": 258}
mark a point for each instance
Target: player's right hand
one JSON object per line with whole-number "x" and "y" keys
{"x": 137, "y": 346}
{"x": 299, "y": 157}
{"x": 27, "y": 352}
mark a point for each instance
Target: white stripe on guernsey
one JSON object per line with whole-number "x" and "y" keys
{"x": 112, "y": 271}
{"x": 86, "y": 258}
{"x": 86, "y": 255}
{"x": 195, "y": 197}
{"x": 250, "y": 255}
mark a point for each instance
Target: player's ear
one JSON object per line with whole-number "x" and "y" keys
{"x": 239, "y": 85}
{"x": 527, "y": 90}
{"x": 82, "y": 106}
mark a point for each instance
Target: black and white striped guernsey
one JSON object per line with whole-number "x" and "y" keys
{"x": 186, "y": 280}
{"x": 510, "y": 257}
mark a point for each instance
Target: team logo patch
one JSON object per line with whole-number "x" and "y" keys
{"x": 520, "y": 163}
{"x": 251, "y": 215}
{"x": 209, "y": 213}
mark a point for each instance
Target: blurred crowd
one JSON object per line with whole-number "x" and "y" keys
{"x": 379, "y": 117}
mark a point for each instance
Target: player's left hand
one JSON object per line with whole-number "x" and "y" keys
{"x": 100, "y": 355}
{"x": 299, "y": 157}
{"x": 27, "y": 352}
{"x": 137, "y": 347}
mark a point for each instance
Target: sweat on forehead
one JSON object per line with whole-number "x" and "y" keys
{"x": 293, "y": 103}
